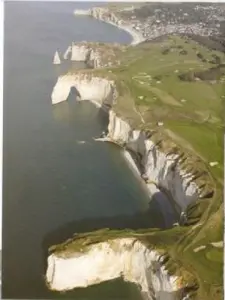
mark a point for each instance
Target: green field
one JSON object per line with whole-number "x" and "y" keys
{"x": 192, "y": 112}
{"x": 148, "y": 82}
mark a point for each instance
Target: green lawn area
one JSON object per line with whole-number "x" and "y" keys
{"x": 198, "y": 121}
{"x": 193, "y": 110}
{"x": 148, "y": 80}
{"x": 215, "y": 255}
{"x": 197, "y": 127}
{"x": 205, "y": 140}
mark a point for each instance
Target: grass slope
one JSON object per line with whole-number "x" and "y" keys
{"x": 151, "y": 91}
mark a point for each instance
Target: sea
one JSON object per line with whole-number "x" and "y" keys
{"x": 57, "y": 180}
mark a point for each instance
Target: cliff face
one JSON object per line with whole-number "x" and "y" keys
{"x": 95, "y": 54}
{"x": 68, "y": 53}
{"x": 100, "y": 13}
{"x": 160, "y": 168}
{"x": 125, "y": 257}
{"x": 80, "y": 52}
{"x": 98, "y": 90}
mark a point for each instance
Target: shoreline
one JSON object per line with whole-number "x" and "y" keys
{"x": 149, "y": 188}
{"x": 136, "y": 36}
{"x": 170, "y": 188}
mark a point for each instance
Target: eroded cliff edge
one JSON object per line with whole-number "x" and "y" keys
{"x": 126, "y": 257}
{"x": 95, "y": 55}
{"x": 161, "y": 163}
{"x": 165, "y": 164}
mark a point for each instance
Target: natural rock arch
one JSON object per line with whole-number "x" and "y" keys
{"x": 100, "y": 91}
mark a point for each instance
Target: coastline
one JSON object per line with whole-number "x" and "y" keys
{"x": 150, "y": 188}
{"x": 136, "y": 36}
{"x": 162, "y": 189}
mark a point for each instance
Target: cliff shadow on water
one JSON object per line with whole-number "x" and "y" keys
{"x": 153, "y": 217}
{"x": 73, "y": 95}
{"x": 68, "y": 111}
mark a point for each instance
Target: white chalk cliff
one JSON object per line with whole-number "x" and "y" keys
{"x": 95, "y": 55}
{"x": 83, "y": 52}
{"x": 158, "y": 166}
{"x": 96, "y": 89}
{"x": 126, "y": 257}
{"x": 80, "y": 53}
{"x": 67, "y": 52}
{"x": 122, "y": 257}
{"x": 86, "y": 53}
{"x": 161, "y": 170}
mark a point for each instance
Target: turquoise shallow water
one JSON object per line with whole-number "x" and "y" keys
{"x": 53, "y": 186}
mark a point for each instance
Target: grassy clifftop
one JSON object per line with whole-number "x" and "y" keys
{"x": 169, "y": 82}
{"x": 181, "y": 85}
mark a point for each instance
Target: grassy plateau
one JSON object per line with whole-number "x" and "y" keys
{"x": 181, "y": 84}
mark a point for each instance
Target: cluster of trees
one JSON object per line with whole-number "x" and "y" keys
{"x": 211, "y": 74}
{"x": 167, "y": 50}
{"x": 215, "y": 59}
{"x": 183, "y": 52}
{"x": 212, "y": 42}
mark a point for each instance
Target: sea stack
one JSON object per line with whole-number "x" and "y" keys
{"x": 56, "y": 60}
{"x": 68, "y": 52}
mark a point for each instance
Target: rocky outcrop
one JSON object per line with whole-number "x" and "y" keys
{"x": 106, "y": 15}
{"x": 80, "y": 52}
{"x": 56, "y": 59}
{"x": 123, "y": 257}
{"x": 95, "y": 55}
{"x": 67, "y": 53}
{"x": 99, "y": 90}
{"x": 162, "y": 170}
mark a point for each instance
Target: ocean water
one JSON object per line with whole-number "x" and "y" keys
{"x": 53, "y": 186}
